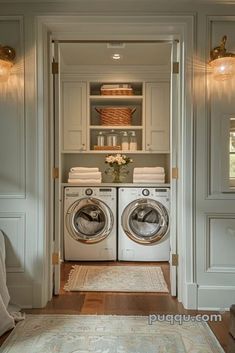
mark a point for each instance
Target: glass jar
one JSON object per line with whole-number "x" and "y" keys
{"x": 100, "y": 139}
{"x": 112, "y": 138}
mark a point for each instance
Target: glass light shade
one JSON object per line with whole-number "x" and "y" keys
{"x": 5, "y": 67}
{"x": 223, "y": 68}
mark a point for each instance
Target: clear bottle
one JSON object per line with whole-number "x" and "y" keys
{"x": 100, "y": 139}
{"x": 133, "y": 142}
{"x": 125, "y": 141}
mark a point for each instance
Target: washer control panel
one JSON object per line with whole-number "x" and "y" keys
{"x": 145, "y": 192}
{"x": 79, "y": 192}
{"x": 89, "y": 192}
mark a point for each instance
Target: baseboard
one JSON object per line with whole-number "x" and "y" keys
{"x": 190, "y": 296}
{"x": 218, "y": 298}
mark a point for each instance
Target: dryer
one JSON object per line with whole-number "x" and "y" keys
{"x": 90, "y": 224}
{"x": 144, "y": 221}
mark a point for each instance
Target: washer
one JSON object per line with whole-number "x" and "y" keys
{"x": 144, "y": 224}
{"x": 90, "y": 224}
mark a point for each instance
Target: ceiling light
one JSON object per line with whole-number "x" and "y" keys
{"x": 222, "y": 62}
{"x": 116, "y": 56}
{"x": 7, "y": 56}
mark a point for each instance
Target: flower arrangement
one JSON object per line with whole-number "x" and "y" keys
{"x": 117, "y": 164}
{"x": 119, "y": 159}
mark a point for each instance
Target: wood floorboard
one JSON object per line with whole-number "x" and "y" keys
{"x": 110, "y": 303}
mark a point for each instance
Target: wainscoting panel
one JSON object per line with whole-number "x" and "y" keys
{"x": 221, "y": 244}
{"x": 13, "y": 227}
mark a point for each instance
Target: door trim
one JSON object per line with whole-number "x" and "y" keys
{"x": 129, "y": 27}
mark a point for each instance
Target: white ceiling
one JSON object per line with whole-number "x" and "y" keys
{"x": 130, "y": 1}
{"x": 101, "y": 54}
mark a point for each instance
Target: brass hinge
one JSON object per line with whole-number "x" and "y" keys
{"x": 175, "y": 67}
{"x": 55, "y": 258}
{"x": 175, "y": 173}
{"x": 175, "y": 259}
{"x": 55, "y": 173}
{"x": 55, "y": 68}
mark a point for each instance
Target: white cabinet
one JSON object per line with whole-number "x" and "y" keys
{"x": 157, "y": 111}
{"x": 82, "y": 122}
{"x": 74, "y": 115}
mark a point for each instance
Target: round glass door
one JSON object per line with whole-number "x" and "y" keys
{"x": 145, "y": 221}
{"x": 89, "y": 220}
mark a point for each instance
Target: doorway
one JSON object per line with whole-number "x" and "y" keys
{"x": 139, "y": 76}
{"x": 142, "y": 30}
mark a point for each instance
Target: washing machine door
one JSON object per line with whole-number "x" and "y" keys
{"x": 89, "y": 220}
{"x": 145, "y": 221}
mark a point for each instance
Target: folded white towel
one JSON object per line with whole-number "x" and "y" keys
{"x": 84, "y": 181}
{"x": 95, "y": 175}
{"x": 148, "y": 170}
{"x": 142, "y": 181}
{"x": 84, "y": 170}
{"x": 149, "y": 176}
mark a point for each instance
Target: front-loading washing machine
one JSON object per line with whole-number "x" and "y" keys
{"x": 144, "y": 224}
{"x": 90, "y": 224}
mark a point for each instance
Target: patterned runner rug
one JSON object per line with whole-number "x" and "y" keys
{"x": 116, "y": 279}
{"x": 108, "y": 334}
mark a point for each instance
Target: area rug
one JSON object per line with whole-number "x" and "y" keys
{"x": 108, "y": 334}
{"x": 116, "y": 279}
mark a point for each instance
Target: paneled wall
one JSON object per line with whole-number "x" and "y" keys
{"x": 12, "y": 141}
{"x": 215, "y": 206}
{"x": 211, "y": 238}
{"x": 16, "y": 170}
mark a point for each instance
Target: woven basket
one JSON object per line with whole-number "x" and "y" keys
{"x": 116, "y": 91}
{"x": 115, "y": 115}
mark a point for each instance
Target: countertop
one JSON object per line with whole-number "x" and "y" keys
{"x": 120, "y": 185}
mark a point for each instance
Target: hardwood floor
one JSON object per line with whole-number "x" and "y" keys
{"x": 106, "y": 303}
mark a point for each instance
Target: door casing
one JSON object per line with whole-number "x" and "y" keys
{"x": 93, "y": 28}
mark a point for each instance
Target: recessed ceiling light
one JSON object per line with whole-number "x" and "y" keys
{"x": 116, "y": 56}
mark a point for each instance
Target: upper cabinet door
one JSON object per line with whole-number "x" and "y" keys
{"x": 74, "y": 117}
{"x": 158, "y": 116}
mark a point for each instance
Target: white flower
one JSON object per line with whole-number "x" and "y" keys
{"x": 119, "y": 159}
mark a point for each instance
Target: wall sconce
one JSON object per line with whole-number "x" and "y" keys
{"x": 7, "y": 56}
{"x": 222, "y": 62}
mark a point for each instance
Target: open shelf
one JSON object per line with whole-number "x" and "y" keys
{"x": 114, "y": 99}
{"x": 116, "y": 127}
{"x": 95, "y": 87}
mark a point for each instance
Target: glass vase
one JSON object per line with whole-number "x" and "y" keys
{"x": 116, "y": 174}
{"x": 119, "y": 173}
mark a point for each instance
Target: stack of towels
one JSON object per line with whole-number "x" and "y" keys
{"x": 149, "y": 175}
{"x": 84, "y": 175}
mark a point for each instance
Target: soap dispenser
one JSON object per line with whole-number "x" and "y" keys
{"x": 133, "y": 142}
{"x": 125, "y": 141}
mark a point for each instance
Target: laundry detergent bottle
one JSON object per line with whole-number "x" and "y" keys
{"x": 133, "y": 142}
{"x": 125, "y": 141}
